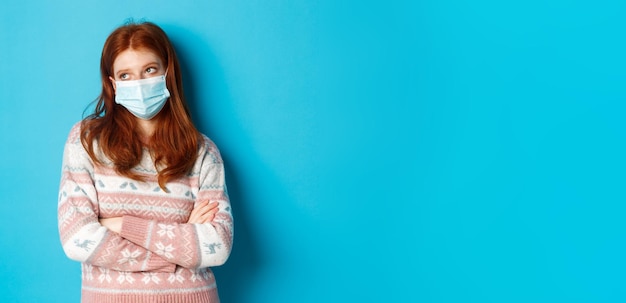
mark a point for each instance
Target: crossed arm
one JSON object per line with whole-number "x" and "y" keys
{"x": 202, "y": 213}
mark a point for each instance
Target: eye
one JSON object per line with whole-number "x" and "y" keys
{"x": 124, "y": 76}
{"x": 151, "y": 70}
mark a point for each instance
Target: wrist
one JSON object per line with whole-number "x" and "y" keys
{"x": 113, "y": 224}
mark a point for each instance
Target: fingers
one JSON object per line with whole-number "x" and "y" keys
{"x": 197, "y": 212}
{"x": 209, "y": 216}
{"x": 203, "y": 212}
{"x": 193, "y": 217}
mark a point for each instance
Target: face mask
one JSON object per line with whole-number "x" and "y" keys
{"x": 143, "y": 98}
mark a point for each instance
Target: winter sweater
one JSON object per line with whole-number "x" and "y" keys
{"x": 157, "y": 256}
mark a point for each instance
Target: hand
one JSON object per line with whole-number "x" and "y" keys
{"x": 203, "y": 212}
{"x": 113, "y": 224}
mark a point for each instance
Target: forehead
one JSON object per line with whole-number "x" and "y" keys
{"x": 131, "y": 59}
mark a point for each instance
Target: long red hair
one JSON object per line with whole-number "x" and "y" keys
{"x": 174, "y": 144}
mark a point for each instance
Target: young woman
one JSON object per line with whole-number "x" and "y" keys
{"x": 143, "y": 203}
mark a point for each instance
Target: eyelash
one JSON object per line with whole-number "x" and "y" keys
{"x": 123, "y": 76}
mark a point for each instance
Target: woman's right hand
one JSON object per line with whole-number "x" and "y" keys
{"x": 203, "y": 212}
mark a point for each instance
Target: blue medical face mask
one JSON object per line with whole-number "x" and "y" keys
{"x": 143, "y": 98}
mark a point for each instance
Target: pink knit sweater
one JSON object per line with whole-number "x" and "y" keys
{"x": 157, "y": 257}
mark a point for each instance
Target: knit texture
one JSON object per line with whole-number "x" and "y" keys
{"x": 157, "y": 257}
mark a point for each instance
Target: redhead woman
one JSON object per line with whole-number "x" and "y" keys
{"x": 142, "y": 201}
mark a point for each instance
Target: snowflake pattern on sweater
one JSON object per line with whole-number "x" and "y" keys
{"x": 157, "y": 256}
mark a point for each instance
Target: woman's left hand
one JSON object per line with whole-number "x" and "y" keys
{"x": 113, "y": 224}
{"x": 203, "y": 212}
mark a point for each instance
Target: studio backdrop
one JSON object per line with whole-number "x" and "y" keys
{"x": 376, "y": 151}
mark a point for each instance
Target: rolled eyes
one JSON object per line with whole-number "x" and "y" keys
{"x": 149, "y": 70}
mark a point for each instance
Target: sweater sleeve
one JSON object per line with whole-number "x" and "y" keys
{"x": 191, "y": 245}
{"x": 83, "y": 238}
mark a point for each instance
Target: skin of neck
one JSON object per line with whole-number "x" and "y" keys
{"x": 146, "y": 128}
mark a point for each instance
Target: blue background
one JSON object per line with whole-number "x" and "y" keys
{"x": 377, "y": 151}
